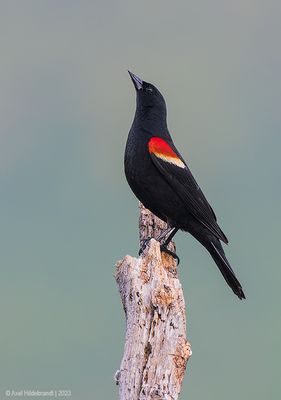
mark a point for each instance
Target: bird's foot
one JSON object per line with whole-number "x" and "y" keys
{"x": 164, "y": 249}
{"x": 144, "y": 244}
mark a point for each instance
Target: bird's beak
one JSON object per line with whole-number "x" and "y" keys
{"x": 138, "y": 82}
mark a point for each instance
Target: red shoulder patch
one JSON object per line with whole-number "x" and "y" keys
{"x": 163, "y": 150}
{"x": 159, "y": 146}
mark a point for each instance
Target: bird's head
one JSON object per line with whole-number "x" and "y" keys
{"x": 148, "y": 96}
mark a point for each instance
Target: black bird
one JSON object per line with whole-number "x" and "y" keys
{"x": 162, "y": 181}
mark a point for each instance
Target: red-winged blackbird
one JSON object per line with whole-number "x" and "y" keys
{"x": 161, "y": 180}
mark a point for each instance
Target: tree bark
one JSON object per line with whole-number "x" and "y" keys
{"x": 156, "y": 350}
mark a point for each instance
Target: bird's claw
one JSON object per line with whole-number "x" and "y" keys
{"x": 164, "y": 249}
{"x": 144, "y": 244}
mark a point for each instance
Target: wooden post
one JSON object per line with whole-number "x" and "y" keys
{"x": 156, "y": 350}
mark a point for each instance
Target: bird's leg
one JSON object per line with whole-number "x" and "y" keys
{"x": 144, "y": 244}
{"x": 172, "y": 232}
{"x": 164, "y": 234}
{"x": 164, "y": 247}
{"x": 159, "y": 238}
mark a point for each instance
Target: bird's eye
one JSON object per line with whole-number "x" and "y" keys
{"x": 149, "y": 89}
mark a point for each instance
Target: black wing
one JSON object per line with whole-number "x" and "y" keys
{"x": 179, "y": 177}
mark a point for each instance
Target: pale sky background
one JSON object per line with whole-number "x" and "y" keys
{"x": 67, "y": 213}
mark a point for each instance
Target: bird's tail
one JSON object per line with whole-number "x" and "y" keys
{"x": 217, "y": 253}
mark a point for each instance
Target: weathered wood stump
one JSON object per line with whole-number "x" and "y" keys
{"x": 156, "y": 350}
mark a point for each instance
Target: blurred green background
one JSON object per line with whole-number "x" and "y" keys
{"x": 67, "y": 214}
